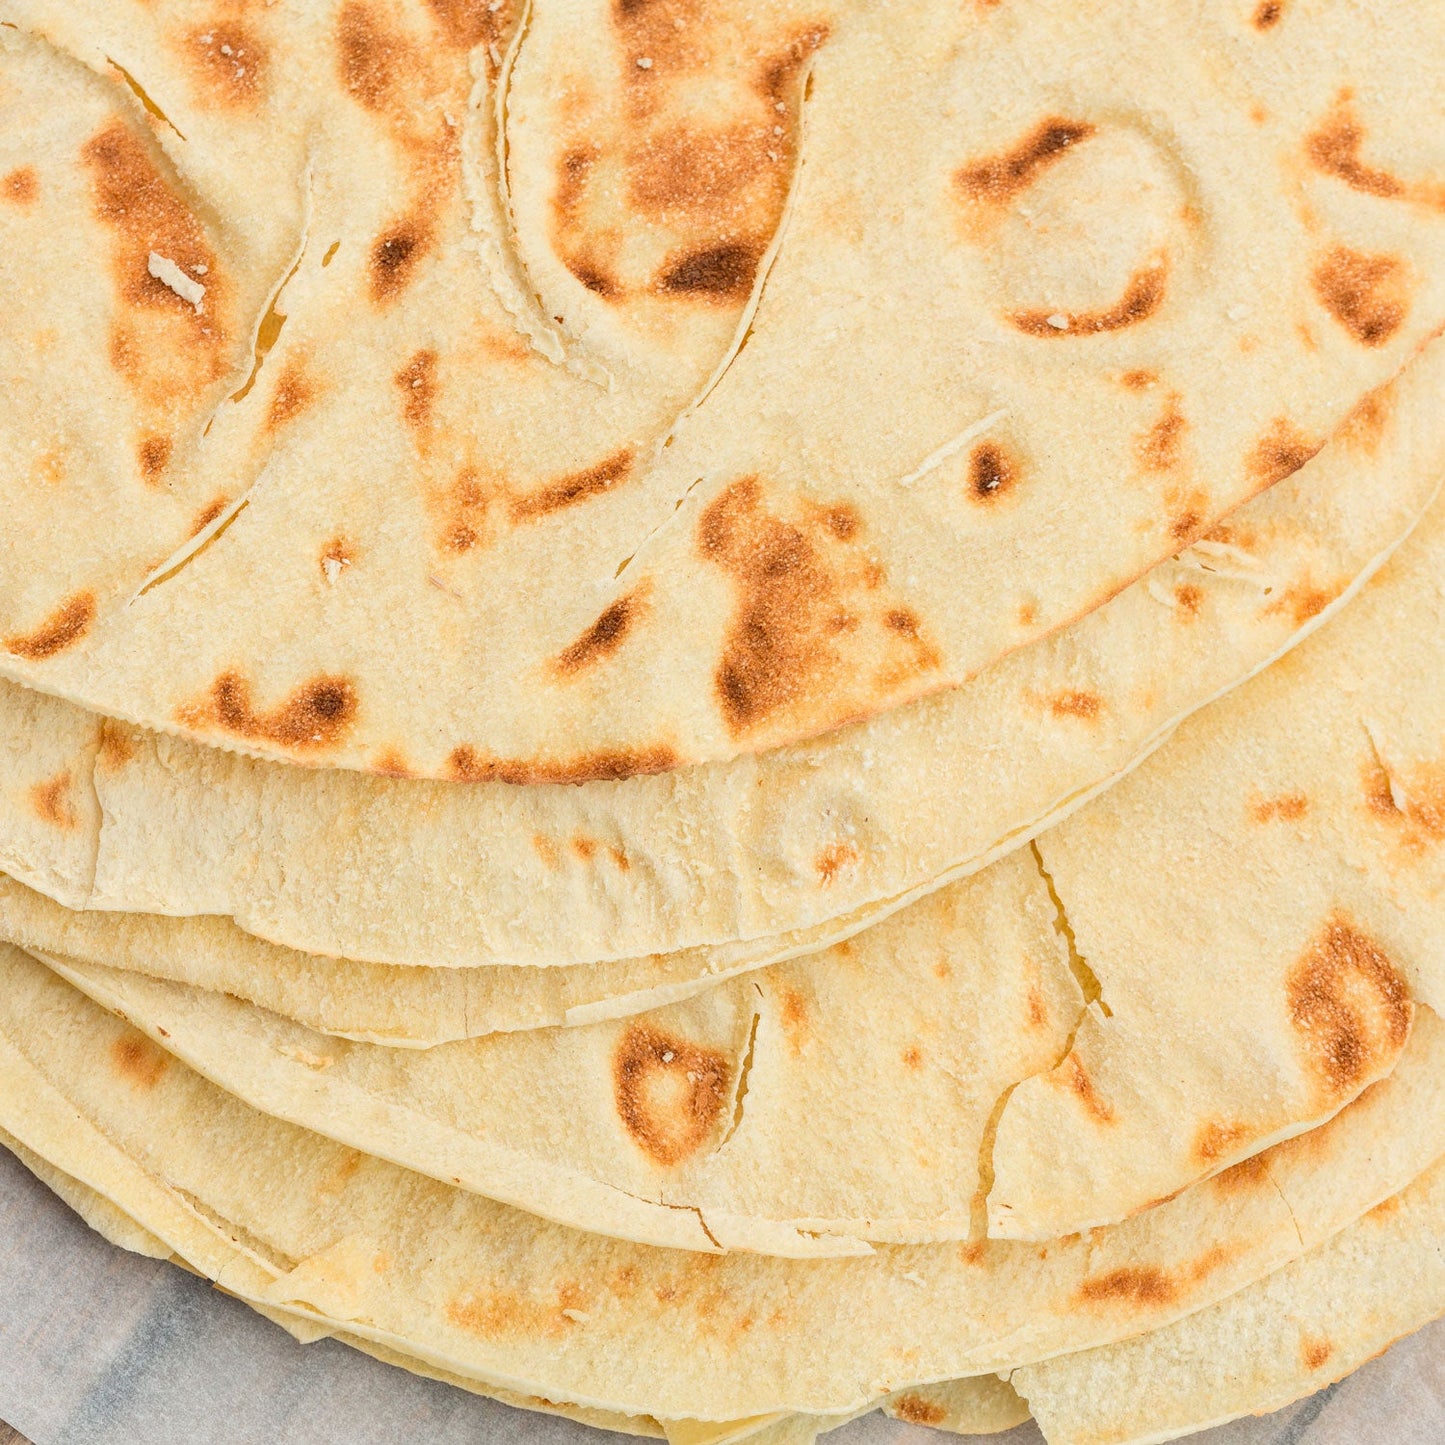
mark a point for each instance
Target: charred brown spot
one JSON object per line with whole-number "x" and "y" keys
{"x": 1000, "y": 178}
{"x": 467, "y": 23}
{"x": 918, "y": 1411}
{"x": 117, "y": 745}
{"x": 1350, "y": 1007}
{"x": 417, "y": 382}
{"x": 603, "y": 638}
{"x": 1315, "y": 1353}
{"x": 1281, "y": 452}
{"x": 394, "y": 258}
{"x": 1188, "y": 599}
{"x": 137, "y": 1060}
{"x": 22, "y": 186}
{"x": 1076, "y": 704}
{"x": 295, "y": 391}
{"x": 913, "y": 1057}
{"x": 1302, "y": 601}
{"x": 1214, "y": 1140}
{"x": 1365, "y": 426}
{"x": 391, "y": 764}
{"x": 316, "y": 715}
{"x": 1335, "y": 150}
{"x": 467, "y": 765}
{"x": 1288, "y": 808}
{"x": 843, "y": 522}
{"x": 594, "y": 276}
{"x": 50, "y": 802}
{"x": 1249, "y": 1173}
{"x": 1417, "y": 806}
{"x": 154, "y": 454}
{"x": 1268, "y": 14}
{"x": 1132, "y": 1284}
{"x": 1076, "y": 1079}
{"x": 669, "y": 1092}
{"x": 1368, "y": 295}
{"x": 577, "y": 487}
{"x": 1161, "y": 448}
{"x": 832, "y": 860}
{"x": 991, "y": 472}
{"x": 64, "y": 627}
{"x": 1141, "y": 299}
{"x": 724, "y": 272}
{"x": 1139, "y": 380}
{"x": 209, "y": 513}
{"x": 369, "y": 56}
{"x": 228, "y": 63}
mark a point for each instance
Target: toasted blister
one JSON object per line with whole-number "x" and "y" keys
{"x": 721, "y": 866}
{"x": 489, "y": 1292}
{"x": 423, "y": 389}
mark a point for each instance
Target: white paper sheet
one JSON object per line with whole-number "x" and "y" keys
{"x": 100, "y": 1347}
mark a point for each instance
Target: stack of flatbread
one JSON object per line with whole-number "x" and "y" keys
{"x": 717, "y": 714}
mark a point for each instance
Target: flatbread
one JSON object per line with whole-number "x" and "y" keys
{"x": 446, "y": 533}
{"x": 486, "y": 1291}
{"x": 886, "y": 1060}
{"x": 811, "y": 842}
{"x": 1293, "y": 839}
{"x": 1290, "y": 1334}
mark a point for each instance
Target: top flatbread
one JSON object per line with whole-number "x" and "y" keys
{"x": 508, "y": 497}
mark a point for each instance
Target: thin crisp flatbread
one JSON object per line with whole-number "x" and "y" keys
{"x": 1292, "y": 1333}
{"x": 509, "y": 498}
{"x": 501, "y": 1296}
{"x": 1296, "y": 830}
{"x": 811, "y": 842}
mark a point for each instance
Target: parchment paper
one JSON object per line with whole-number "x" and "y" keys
{"x": 101, "y": 1347}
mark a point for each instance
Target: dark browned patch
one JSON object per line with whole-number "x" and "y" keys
{"x": 1303, "y": 600}
{"x": 295, "y": 391}
{"x": 1365, "y": 426}
{"x": 669, "y": 1092}
{"x": 723, "y": 272}
{"x": 794, "y": 1014}
{"x": 1141, "y": 299}
{"x": 1000, "y": 178}
{"x": 139, "y": 1061}
{"x": 1247, "y": 1174}
{"x": 577, "y": 487}
{"x": 1350, "y": 1007}
{"x": 1076, "y": 1079}
{"x": 228, "y": 63}
{"x": 1139, "y": 380}
{"x": 1161, "y": 448}
{"x": 154, "y": 454}
{"x": 417, "y": 382}
{"x": 973, "y": 1251}
{"x": 391, "y": 764}
{"x": 22, "y": 186}
{"x": 369, "y": 56}
{"x": 209, "y": 513}
{"x": 583, "y": 847}
{"x": 1188, "y": 599}
{"x": 1212, "y": 1141}
{"x": 337, "y": 555}
{"x": 603, "y": 638}
{"x": 1367, "y": 294}
{"x": 1268, "y": 13}
{"x": 394, "y": 257}
{"x": 1287, "y": 807}
{"x": 1281, "y": 452}
{"x": 1038, "y": 1015}
{"x": 1315, "y": 1353}
{"x": 466, "y": 23}
{"x": 1335, "y": 150}
{"x": 913, "y": 1057}
{"x": 1418, "y": 807}
{"x": 620, "y": 860}
{"x": 467, "y": 765}
{"x": 1075, "y": 704}
{"x": 594, "y": 276}
{"x": 918, "y": 1411}
{"x": 842, "y": 521}
{"x": 992, "y": 472}
{"x": 1138, "y": 1284}
{"x": 65, "y": 626}
{"x": 50, "y": 801}
{"x": 117, "y": 745}
{"x": 316, "y": 715}
{"x": 832, "y": 860}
